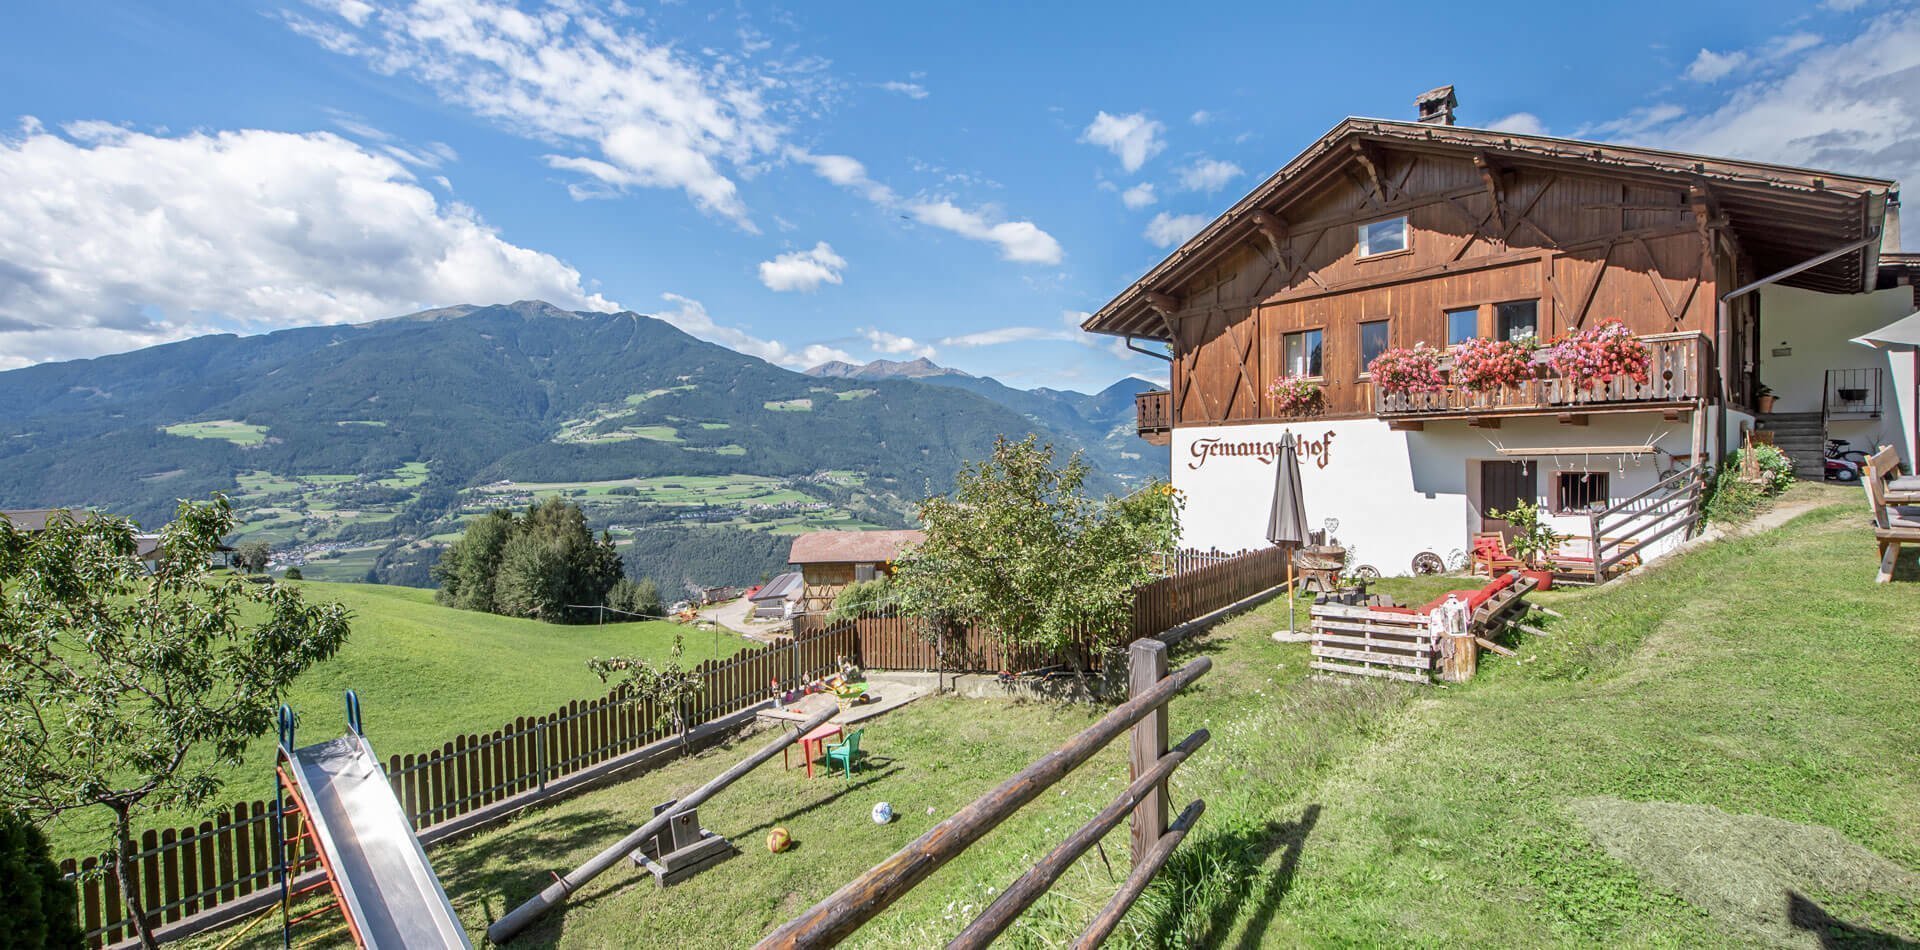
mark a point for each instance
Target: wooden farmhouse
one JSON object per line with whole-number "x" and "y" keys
{"x": 1742, "y": 279}
{"x": 828, "y": 561}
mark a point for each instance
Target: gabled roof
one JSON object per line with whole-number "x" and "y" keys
{"x": 852, "y": 547}
{"x": 1782, "y": 215}
{"x": 783, "y": 587}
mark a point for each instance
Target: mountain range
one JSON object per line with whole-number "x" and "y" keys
{"x": 368, "y": 444}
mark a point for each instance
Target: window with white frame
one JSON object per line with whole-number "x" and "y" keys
{"x": 1383, "y": 237}
{"x": 1300, "y": 352}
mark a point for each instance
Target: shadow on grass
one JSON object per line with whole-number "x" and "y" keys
{"x": 1221, "y": 873}
{"x": 1832, "y": 932}
{"x": 877, "y": 769}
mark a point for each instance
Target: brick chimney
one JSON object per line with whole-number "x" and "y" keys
{"x": 1437, "y": 105}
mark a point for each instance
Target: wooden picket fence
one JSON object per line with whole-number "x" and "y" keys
{"x": 185, "y": 871}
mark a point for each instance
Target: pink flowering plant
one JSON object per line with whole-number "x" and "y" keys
{"x": 1600, "y": 354}
{"x": 1403, "y": 371}
{"x": 1296, "y": 396}
{"x": 1486, "y": 365}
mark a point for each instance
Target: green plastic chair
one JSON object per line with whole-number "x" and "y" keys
{"x": 842, "y": 754}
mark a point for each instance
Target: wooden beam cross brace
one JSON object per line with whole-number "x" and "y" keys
{"x": 1490, "y": 177}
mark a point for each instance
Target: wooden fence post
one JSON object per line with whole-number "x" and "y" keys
{"x": 1147, "y": 666}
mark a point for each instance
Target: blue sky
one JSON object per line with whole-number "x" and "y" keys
{"x": 799, "y": 182}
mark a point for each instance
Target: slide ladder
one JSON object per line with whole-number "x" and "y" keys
{"x": 373, "y": 863}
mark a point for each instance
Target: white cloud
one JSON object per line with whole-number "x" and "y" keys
{"x": 1139, "y": 196}
{"x": 112, "y": 239}
{"x": 847, "y": 172}
{"x": 1166, "y": 230}
{"x": 1523, "y": 123}
{"x": 1710, "y": 66}
{"x": 1005, "y": 335}
{"x": 1209, "y": 175}
{"x": 1200, "y": 117}
{"x": 1018, "y": 240}
{"x": 893, "y": 344}
{"x": 1851, "y": 107}
{"x": 691, "y": 316}
{"x": 1134, "y": 138}
{"x": 803, "y": 270}
{"x": 656, "y": 116}
{"x": 911, "y": 90}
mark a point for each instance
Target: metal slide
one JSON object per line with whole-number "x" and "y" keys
{"x": 386, "y": 887}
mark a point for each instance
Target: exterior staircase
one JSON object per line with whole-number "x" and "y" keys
{"x": 1803, "y": 436}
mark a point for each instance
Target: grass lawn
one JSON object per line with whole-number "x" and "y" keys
{"x": 1717, "y": 753}
{"x": 426, "y": 673}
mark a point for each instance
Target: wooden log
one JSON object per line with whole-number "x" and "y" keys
{"x": 1147, "y": 666}
{"x": 1536, "y": 631}
{"x": 1110, "y": 915}
{"x": 506, "y": 927}
{"x": 1022, "y": 893}
{"x": 1549, "y": 611}
{"x": 1461, "y": 663}
{"x": 841, "y": 913}
{"x": 1495, "y": 647}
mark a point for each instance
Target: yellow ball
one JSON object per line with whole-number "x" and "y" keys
{"x": 778, "y": 840}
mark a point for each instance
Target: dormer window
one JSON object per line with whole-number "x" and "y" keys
{"x": 1383, "y": 237}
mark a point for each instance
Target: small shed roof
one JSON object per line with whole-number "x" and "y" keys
{"x": 33, "y": 519}
{"x": 852, "y": 547}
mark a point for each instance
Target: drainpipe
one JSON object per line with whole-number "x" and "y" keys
{"x": 1723, "y": 325}
{"x": 1155, "y": 355}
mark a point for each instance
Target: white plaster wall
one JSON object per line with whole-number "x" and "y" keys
{"x": 1819, "y": 329}
{"x": 1397, "y": 494}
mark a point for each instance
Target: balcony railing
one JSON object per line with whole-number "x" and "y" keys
{"x": 1154, "y": 412}
{"x": 1676, "y": 375}
{"x": 1852, "y": 394}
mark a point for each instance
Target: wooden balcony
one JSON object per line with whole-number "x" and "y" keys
{"x": 1677, "y": 376}
{"x": 1154, "y": 414}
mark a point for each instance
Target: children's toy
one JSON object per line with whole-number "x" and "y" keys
{"x": 680, "y": 849}
{"x": 882, "y": 813}
{"x": 778, "y": 840}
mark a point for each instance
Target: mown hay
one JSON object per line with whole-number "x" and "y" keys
{"x": 1783, "y": 882}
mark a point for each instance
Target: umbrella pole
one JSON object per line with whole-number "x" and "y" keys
{"x": 1290, "y": 593}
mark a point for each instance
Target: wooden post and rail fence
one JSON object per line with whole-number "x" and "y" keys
{"x": 199, "y": 877}
{"x": 1144, "y": 714}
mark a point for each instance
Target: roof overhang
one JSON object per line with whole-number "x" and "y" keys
{"x": 1782, "y": 215}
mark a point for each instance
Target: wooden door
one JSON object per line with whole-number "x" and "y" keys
{"x": 1504, "y": 484}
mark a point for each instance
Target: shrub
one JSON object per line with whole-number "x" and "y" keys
{"x": 1599, "y": 354}
{"x": 1775, "y": 468}
{"x": 1402, "y": 371}
{"x": 865, "y": 597}
{"x": 1533, "y": 539}
{"x": 1486, "y": 365}
{"x": 293, "y": 574}
{"x": 37, "y": 907}
{"x": 637, "y": 597}
{"x": 1296, "y": 396}
{"x": 1733, "y": 499}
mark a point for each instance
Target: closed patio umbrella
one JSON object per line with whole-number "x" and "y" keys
{"x": 1287, "y": 522}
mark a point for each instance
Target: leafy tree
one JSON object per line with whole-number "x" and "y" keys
{"x": 864, "y": 597}
{"x": 37, "y": 907}
{"x": 467, "y": 569}
{"x": 545, "y": 564}
{"x": 251, "y": 557}
{"x": 667, "y": 685}
{"x": 293, "y": 574}
{"x": 1022, "y": 548}
{"x": 128, "y": 690}
{"x": 637, "y": 597}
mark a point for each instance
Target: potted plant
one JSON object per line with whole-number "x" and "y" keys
{"x": 1600, "y": 354}
{"x": 1296, "y": 396}
{"x": 1533, "y": 540}
{"x": 1763, "y": 397}
{"x": 1402, "y": 371}
{"x": 1486, "y": 365}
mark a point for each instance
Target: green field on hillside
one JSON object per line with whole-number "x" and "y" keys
{"x": 231, "y": 430}
{"x": 426, "y": 673}
{"x": 1716, "y": 753}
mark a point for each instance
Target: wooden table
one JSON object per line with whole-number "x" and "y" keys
{"x": 813, "y": 745}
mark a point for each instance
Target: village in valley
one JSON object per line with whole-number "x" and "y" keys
{"x": 1492, "y": 521}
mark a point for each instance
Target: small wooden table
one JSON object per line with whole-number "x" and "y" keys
{"x": 813, "y": 745}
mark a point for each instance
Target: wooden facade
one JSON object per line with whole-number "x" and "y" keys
{"x": 1581, "y": 248}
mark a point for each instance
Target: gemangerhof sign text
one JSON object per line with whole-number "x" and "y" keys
{"x": 1318, "y": 451}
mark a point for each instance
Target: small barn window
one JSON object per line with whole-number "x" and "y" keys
{"x": 1583, "y": 493}
{"x": 1518, "y": 320}
{"x": 863, "y": 573}
{"x": 1383, "y": 237}
{"x": 1462, "y": 325}
{"x": 1301, "y": 353}
{"x": 1373, "y": 341}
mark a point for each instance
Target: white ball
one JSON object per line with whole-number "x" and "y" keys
{"x": 882, "y": 813}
